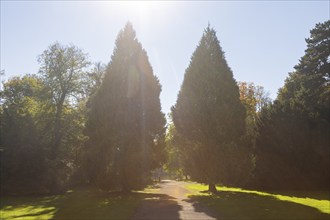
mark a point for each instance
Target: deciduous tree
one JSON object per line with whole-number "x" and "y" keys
{"x": 63, "y": 69}
{"x": 22, "y": 152}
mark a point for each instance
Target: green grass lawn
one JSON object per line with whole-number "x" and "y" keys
{"x": 80, "y": 204}
{"x": 236, "y": 203}
{"x": 229, "y": 203}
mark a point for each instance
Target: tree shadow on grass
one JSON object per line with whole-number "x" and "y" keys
{"x": 115, "y": 205}
{"x": 240, "y": 205}
{"x": 90, "y": 204}
{"x": 32, "y": 207}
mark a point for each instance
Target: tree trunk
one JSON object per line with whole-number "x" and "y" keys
{"x": 212, "y": 188}
{"x": 57, "y": 131}
{"x": 57, "y": 127}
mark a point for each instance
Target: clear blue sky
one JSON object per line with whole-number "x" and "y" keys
{"x": 262, "y": 40}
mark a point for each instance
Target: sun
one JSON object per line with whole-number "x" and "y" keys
{"x": 140, "y": 8}
{"x": 143, "y": 14}
{"x": 135, "y": 10}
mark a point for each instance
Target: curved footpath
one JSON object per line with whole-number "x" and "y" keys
{"x": 169, "y": 201}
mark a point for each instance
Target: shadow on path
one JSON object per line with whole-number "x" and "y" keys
{"x": 169, "y": 201}
{"x": 157, "y": 206}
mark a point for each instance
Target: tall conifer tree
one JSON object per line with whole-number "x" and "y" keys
{"x": 125, "y": 123}
{"x": 208, "y": 112}
{"x": 293, "y": 145}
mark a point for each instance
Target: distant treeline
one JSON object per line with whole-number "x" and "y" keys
{"x": 78, "y": 123}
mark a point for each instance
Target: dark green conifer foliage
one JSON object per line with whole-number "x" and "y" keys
{"x": 293, "y": 147}
{"x": 208, "y": 112}
{"x": 125, "y": 124}
{"x": 307, "y": 90}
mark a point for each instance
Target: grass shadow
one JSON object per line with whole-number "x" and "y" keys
{"x": 87, "y": 204}
{"x": 240, "y": 205}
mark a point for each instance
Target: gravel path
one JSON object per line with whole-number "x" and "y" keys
{"x": 170, "y": 201}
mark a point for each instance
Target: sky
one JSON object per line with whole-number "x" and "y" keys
{"x": 262, "y": 40}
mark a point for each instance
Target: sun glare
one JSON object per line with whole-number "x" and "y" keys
{"x": 141, "y": 7}
{"x": 143, "y": 11}
{"x": 133, "y": 7}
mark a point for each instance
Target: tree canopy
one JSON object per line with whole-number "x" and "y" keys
{"x": 42, "y": 117}
{"x": 63, "y": 69}
{"x": 125, "y": 126}
{"x": 293, "y": 146}
{"x": 73, "y": 123}
{"x": 208, "y": 111}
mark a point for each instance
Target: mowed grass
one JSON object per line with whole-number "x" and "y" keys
{"x": 236, "y": 203}
{"x": 79, "y": 204}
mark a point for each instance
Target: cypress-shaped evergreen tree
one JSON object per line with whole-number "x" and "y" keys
{"x": 125, "y": 124}
{"x": 208, "y": 112}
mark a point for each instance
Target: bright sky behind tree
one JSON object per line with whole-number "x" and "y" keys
{"x": 262, "y": 40}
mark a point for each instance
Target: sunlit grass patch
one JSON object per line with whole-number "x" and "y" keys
{"x": 27, "y": 212}
{"x": 27, "y": 208}
{"x": 321, "y": 205}
{"x": 196, "y": 187}
{"x": 251, "y": 204}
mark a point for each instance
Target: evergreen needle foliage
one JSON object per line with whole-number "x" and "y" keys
{"x": 208, "y": 113}
{"x": 125, "y": 124}
{"x": 293, "y": 146}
